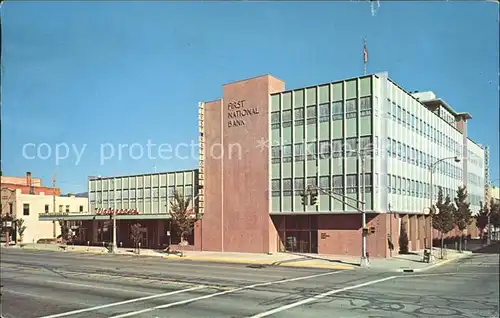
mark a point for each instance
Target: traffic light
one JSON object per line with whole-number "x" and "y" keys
{"x": 303, "y": 199}
{"x": 314, "y": 198}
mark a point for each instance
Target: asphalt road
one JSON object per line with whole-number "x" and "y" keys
{"x": 54, "y": 284}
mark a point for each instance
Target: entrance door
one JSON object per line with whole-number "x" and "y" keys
{"x": 298, "y": 241}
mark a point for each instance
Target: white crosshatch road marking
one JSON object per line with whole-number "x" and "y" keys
{"x": 187, "y": 301}
{"x": 320, "y": 296}
{"x": 125, "y": 302}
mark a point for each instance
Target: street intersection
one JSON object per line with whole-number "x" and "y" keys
{"x": 53, "y": 284}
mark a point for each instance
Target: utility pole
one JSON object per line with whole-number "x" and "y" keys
{"x": 54, "y": 204}
{"x": 114, "y": 247}
{"x": 364, "y": 259}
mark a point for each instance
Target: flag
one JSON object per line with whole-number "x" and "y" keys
{"x": 365, "y": 53}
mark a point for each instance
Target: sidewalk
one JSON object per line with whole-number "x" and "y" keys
{"x": 399, "y": 263}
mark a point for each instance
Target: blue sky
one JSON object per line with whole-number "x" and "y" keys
{"x": 123, "y": 72}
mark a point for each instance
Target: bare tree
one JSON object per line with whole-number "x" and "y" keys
{"x": 182, "y": 221}
{"x": 136, "y": 235}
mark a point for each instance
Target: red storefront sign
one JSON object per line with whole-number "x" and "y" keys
{"x": 118, "y": 211}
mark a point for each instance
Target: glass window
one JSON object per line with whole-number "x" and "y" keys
{"x": 311, "y": 150}
{"x": 393, "y": 184}
{"x": 324, "y": 149}
{"x": 365, "y": 106}
{"x": 26, "y": 209}
{"x": 338, "y": 182}
{"x": 275, "y": 187}
{"x": 132, "y": 193}
{"x": 311, "y": 114}
{"x": 394, "y": 148}
{"x": 286, "y": 118}
{"x": 337, "y": 111}
{"x": 337, "y": 148}
{"x": 287, "y": 187}
{"x": 299, "y": 185}
{"x": 389, "y": 183}
{"x": 351, "y": 147}
{"x": 275, "y": 152}
{"x": 299, "y": 152}
{"x": 394, "y": 111}
{"x": 388, "y": 146}
{"x": 365, "y": 145}
{"x": 299, "y": 116}
{"x": 352, "y": 183}
{"x": 351, "y": 108}
{"x": 399, "y": 150}
{"x": 403, "y": 186}
{"x": 324, "y": 112}
{"x": 287, "y": 153}
{"x": 312, "y": 181}
{"x": 399, "y": 114}
{"x": 399, "y": 185}
{"x": 324, "y": 182}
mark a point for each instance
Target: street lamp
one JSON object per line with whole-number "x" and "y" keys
{"x": 431, "y": 172}
{"x": 113, "y": 243}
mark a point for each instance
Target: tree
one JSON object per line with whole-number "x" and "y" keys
{"x": 21, "y": 228}
{"x": 442, "y": 221}
{"x": 136, "y": 235}
{"x": 181, "y": 220}
{"x": 482, "y": 217}
{"x": 462, "y": 212}
{"x": 65, "y": 231}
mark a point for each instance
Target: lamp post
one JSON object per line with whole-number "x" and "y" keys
{"x": 364, "y": 258}
{"x": 431, "y": 172}
{"x": 113, "y": 246}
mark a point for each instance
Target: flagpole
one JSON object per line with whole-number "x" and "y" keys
{"x": 365, "y": 56}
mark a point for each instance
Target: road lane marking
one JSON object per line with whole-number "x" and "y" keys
{"x": 74, "y": 312}
{"x": 320, "y": 296}
{"x": 187, "y": 301}
{"x": 100, "y": 287}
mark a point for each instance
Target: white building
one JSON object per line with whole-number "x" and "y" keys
{"x": 30, "y": 206}
{"x": 416, "y": 130}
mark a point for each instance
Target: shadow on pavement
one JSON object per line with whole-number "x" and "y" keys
{"x": 494, "y": 248}
{"x": 304, "y": 257}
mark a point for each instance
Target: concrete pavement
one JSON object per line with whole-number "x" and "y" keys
{"x": 50, "y": 285}
{"x": 398, "y": 263}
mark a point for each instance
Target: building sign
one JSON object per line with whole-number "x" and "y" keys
{"x": 238, "y": 113}
{"x": 201, "y": 171}
{"x": 118, "y": 211}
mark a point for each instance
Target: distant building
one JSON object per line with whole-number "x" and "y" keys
{"x": 495, "y": 193}
{"x": 28, "y": 185}
{"x": 26, "y": 198}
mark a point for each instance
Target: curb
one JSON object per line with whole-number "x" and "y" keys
{"x": 262, "y": 263}
{"x": 437, "y": 264}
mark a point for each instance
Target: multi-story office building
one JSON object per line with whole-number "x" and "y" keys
{"x": 262, "y": 145}
{"x": 140, "y": 199}
{"x": 313, "y": 135}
